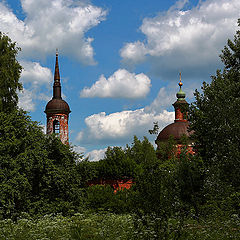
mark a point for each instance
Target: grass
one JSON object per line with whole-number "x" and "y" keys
{"x": 79, "y": 226}
{"x": 112, "y": 226}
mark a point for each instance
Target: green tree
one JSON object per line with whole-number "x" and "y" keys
{"x": 189, "y": 179}
{"x": 10, "y": 71}
{"x": 100, "y": 197}
{"x": 215, "y": 117}
{"x": 116, "y": 164}
{"x": 38, "y": 174}
{"x": 142, "y": 152}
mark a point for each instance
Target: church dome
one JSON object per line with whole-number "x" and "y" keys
{"x": 176, "y": 129}
{"x": 57, "y": 105}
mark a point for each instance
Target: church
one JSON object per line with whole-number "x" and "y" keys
{"x": 57, "y": 112}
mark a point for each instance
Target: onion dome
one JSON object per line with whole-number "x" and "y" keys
{"x": 180, "y": 94}
{"x": 57, "y": 104}
{"x": 181, "y": 124}
{"x": 176, "y": 129}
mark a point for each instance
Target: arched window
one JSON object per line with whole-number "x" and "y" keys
{"x": 56, "y": 127}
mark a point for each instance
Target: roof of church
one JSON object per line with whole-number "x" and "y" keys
{"x": 57, "y": 104}
{"x": 176, "y": 129}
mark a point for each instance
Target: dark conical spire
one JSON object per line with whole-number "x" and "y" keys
{"x": 57, "y": 84}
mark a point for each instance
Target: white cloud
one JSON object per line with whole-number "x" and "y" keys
{"x": 96, "y": 155}
{"x": 51, "y": 24}
{"x": 164, "y": 99}
{"x": 134, "y": 52}
{"x": 119, "y": 126}
{"x": 79, "y": 149}
{"x": 35, "y": 74}
{"x": 26, "y": 100}
{"x": 179, "y": 4}
{"x": 167, "y": 96}
{"x": 36, "y": 80}
{"x": 80, "y": 136}
{"x": 122, "y": 84}
{"x": 185, "y": 39}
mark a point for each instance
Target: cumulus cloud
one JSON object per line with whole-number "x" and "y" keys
{"x": 96, "y": 155}
{"x": 51, "y": 24}
{"x": 134, "y": 52}
{"x": 35, "y": 74}
{"x": 37, "y": 79}
{"x": 185, "y": 39}
{"x": 79, "y": 149}
{"x": 163, "y": 100}
{"x": 119, "y": 126}
{"x": 26, "y": 100}
{"x": 167, "y": 96}
{"x": 122, "y": 84}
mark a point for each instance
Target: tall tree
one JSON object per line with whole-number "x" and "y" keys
{"x": 215, "y": 117}
{"x": 10, "y": 71}
{"x": 38, "y": 173}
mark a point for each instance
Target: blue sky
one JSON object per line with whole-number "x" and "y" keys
{"x": 119, "y": 60}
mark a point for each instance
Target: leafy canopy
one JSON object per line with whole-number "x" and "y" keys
{"x": 215, "y": 117}
{"x": 10, "y": 71}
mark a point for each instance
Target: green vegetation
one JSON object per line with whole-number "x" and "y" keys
{"x": 44, "y": 192}
{"x": 10, "y": 71}
{"x": 37, "y": 172}
{"x": 112, "y": 226}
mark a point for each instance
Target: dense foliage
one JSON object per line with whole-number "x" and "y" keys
{"x": 215, "y": 120}
{"x": 10, "y": 71}
{"x": 37, "y": 172}
{"x": 107, "y": 226}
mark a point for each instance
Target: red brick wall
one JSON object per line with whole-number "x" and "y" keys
{"x": 63, "y": 121}
{"x": 117, "y": 184}
{"x": 189, "y": 149}
{"x": 179, "y": 116}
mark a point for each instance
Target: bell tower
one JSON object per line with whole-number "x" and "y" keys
{"x": 180, "y": 105}
{"x": 180, "y": 126}
{"x": 57, "y": 110}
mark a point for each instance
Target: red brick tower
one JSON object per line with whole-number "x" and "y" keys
{"x": 180, "y": 105}
{"x": 57, "y": 110}
{"x": 180, "y": 125}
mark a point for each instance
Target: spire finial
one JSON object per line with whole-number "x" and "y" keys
{"x": 57, "y": 84}
{"x": 180, "y": 82}
{"x": 56, "y": 74}
{"x": 180, "y": 94}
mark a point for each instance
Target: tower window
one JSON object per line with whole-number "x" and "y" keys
{"x": 56, "y": 127}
